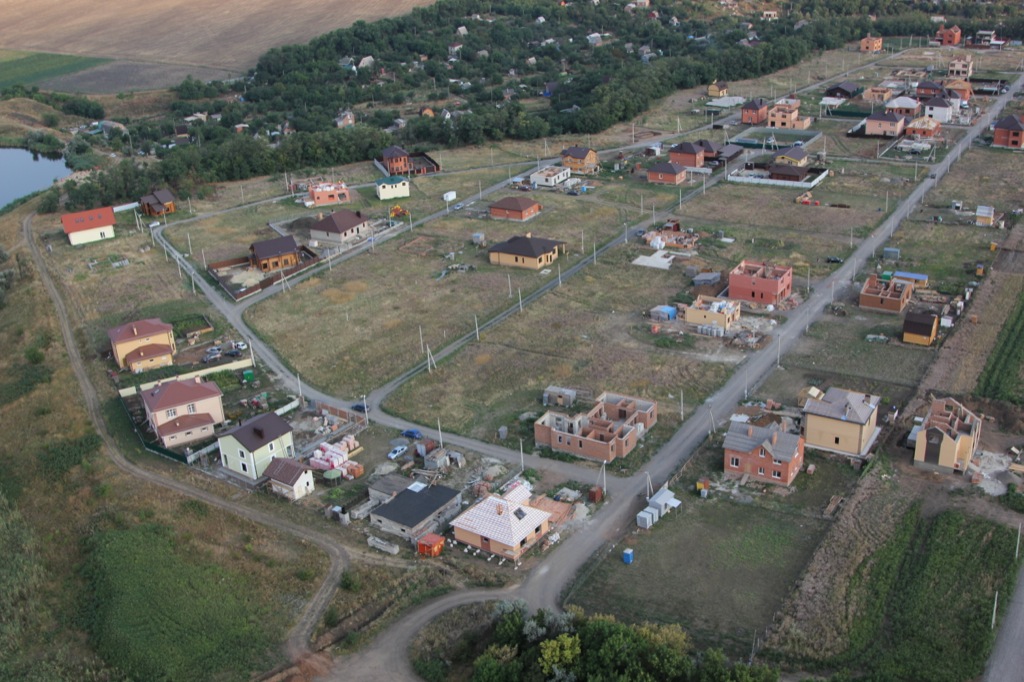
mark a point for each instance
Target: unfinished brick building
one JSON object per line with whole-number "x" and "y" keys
{"x": 885, "y": 296}
{"x": 611, "y": 429}
{"x": 760, "y": 283}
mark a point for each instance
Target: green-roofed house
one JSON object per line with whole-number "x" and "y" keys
{"x": 392, "y": 187}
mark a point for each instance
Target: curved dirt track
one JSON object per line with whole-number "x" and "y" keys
{"x": 298, "y": 639}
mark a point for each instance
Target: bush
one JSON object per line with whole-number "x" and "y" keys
{"x": 332, "y": 616}
{"x": 60, "y": 457}
{"x": 350, "y": 582}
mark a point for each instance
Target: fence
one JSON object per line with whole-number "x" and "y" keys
{"x": 744, "y": 180}
{"x": 153, "y": 447}
{"x": 311, "y": 260}
{"x": 226, "y": 367}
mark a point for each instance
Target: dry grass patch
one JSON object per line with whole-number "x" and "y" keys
{"x": 581, "y": 334}
{"x": 229, "y": 235}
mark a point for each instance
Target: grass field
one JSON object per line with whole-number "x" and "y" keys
{"x": 582, "y": 334}
{"x": 29, "y": 68}
{"x": 372, "y": 307}
{"x": 718, "y": 568}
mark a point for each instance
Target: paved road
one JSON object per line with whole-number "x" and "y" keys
{"x": 1006, "y": 663}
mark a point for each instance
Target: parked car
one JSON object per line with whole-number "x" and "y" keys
{"x": 361, "y": 407}
{"x": 415, "y": 434}
{"x": 240, "y": 345}
{"x": 459, "y": 206}
{"x": 398, "y": 452}
{"x": 833, "y": 259}
{"x": 208, "y": 358}
{"x": 233, "y": 353}
{"x": 214, "y": 350}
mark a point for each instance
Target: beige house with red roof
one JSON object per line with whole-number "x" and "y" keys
{"x": 143, "y": 344}
{"x": 504, "y": 526}
{"x": 182, "y": 412}
{"x": 89, "y": 226}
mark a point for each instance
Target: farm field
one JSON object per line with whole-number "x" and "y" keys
{"x": 373, "y": 306}
{"x": 124, "y": 30}
{"x": 31, "y": 68}
{"x": 586, "y": 334}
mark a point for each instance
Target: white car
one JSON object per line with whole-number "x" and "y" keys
{"x": 398, "y": 452}
{"x": 241, "y": 345}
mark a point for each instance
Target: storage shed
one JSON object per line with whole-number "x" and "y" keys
{"x": 663, "y": 313}
{"x": 430, "y": 545}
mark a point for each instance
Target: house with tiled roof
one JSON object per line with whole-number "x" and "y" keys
{"x": 160, "y": 202}
{"x": 718, "y": 89}
{"x": 85, "y": 227}
{"x": 687, "y": 154}
{"x": 143, "y": 344}
{"x": 923, "y": 127}
{"x": 396, "y": 160}
{"x": 340, "y": 226}
{"x": 1008, "y": 132}
{"x": 183, "y": 412}
{"x": 506, "y": 526}
{"x": 248, "y": 448}
{"x": 392, "y": 187}
{"x": 526, "y": 251}
{"x": 903, "y": 106}
{"x": 792, "y": 156}
{"x": 765, "y": 453}
{"x": 844, "y": 90}
{"x": 948, "y": 37}
{"x": 939, "y": 109}
{"x": 274, "y": 254}
{"x": 666, "y": 173}
{"x": 519, "y": 209}
{"x": 841, "y": 421}
{"x": 289, "y": 478}
{"x": 754, "y": 112}
{"x": 581, "y": 160}
{"x": 886, "y": 124}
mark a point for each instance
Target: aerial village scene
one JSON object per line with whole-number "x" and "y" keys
{"x": 513, "y": 341}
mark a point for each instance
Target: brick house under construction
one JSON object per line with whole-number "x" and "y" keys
{"x": 611, "y": 429}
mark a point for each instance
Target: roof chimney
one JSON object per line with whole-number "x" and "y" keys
{"x": 359, "y": 214}
{"x": 775, "y": 437}
{"x": 750, "y": 431}
{"x": 529, "y": 235}
{"x": 135, "y": 331}
{"x": 500, "y": 509}
{"x": 258, "y": 431}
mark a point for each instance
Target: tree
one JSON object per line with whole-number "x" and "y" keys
{"x": 560, "y": 653}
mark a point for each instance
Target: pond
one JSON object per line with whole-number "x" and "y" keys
{"x": 22, "y": 173}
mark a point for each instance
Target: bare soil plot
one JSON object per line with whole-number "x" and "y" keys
{"x": 718, "y": 568}
{"x": 361, "y": 320}
{"x": 178, "y": 31}
{"x": 580, "y": 335}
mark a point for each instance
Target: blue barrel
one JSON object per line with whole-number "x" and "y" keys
{"x": 627, "y": 556}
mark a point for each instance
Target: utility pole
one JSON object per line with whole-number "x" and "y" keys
{"x": 520, "y": 300}
{"x": 476, "y": 323}
{"x": 510, "y": 286}
{"x": 440, "y": 435}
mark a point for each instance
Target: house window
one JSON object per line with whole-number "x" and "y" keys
{"x": 761, "y": 454}
{"x": 837, "y": 440}
{"x": 734, "y": 462}
{"x": 245, "y": 468}
{"x": 173, "y": 412}
{"x": 191, "y": 408}
{"x": 241, "y": 454}
{"x": 776, "y": 462}
{"x": 776, "y": 473}
{"x": 760, "y": 471}
{"x": 559, "y": 439}
{"x": 288, "y": 450}
{"x": 271, "y": 447}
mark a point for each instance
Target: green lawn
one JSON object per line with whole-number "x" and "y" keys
{"x": 30, "y": 68}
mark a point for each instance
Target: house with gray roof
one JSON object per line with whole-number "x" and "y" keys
{"x": 770, "y": 454}
{"x": 841, "y": 421}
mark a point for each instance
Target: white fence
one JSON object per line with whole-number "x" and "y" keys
{"x": 745, "y": 180}
{"x": 227, "y": 366}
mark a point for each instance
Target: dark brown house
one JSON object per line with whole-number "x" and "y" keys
{"x": 274, "y": 254}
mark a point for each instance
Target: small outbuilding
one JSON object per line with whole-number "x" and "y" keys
{"x": 289, "y": 479}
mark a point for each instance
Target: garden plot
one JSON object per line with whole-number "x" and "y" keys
{"x": 579, "y": 335}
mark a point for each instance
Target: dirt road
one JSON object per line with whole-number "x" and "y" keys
{"x": 298, "y": 638}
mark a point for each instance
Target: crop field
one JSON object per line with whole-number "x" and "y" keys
{"x": 128, "y": 31}
{"x": 1001, "y": 379}
{"x": 581, "y": 334}
{"x": 718, "y": 568}
{"x": 372, "y": 307}
{"x": 30, "y": 68}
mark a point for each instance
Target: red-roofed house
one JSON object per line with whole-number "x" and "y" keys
{"x": 89, "y": 226}
{"x": 948, "y": 37}
{"x": 687, "y": 154}
{"x": 143, "y": 344}
{"x": 396, "y": 160}
{"x": 182, "y": 412}
{"x": 754, "y": 112}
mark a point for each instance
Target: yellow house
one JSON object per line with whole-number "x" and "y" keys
{"x": 841, "y": 421}
{"x": 948, "y": 438}
{"x": 792, "y": 156}
{"x": 143, "y": 344}
{"x": 248, "y": 448}
{"x": 718, "y": 89}
{"x": 527, "y": 251}
{"x": 182, "y": 412}
{"x": 712, "y": 310}
{"x": 581, "y": 160}
{"x": 503, "y": 526}
{"x": 392, "y": 187}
